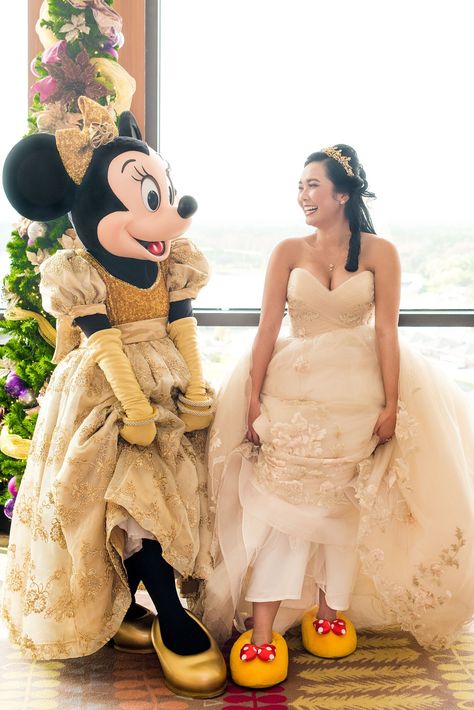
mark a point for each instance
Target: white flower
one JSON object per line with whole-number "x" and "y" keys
{"x": 424, "y": 598}
{"x": 301, "y": 364}
{"x": 23, "y": 226}
{"x": 299, "y": 437}
{"x": 75, "y": 27}
{"x": 406, "y": 426}
{"x": 214, "y": 442}
{"x": 373, "y": 560}
{"x": 70, "y": 240}
{"x": 37, "y": 229}
{"x": 37, "y": 258}
{"x": 399, "y": 472}
{"x": 54, "y": 116}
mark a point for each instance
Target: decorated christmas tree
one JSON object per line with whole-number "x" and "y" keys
{"x": 81, "y": 40}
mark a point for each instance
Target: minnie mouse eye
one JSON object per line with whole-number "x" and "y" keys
{"x": 171, "y": 189}
{"x": 150, "y": 194}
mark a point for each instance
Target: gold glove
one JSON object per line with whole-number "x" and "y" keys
{"x": 195, "y": 406}
{"x": 105, "y": 347}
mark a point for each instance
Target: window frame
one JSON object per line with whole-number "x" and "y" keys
{"x": 142, "y": 54}
{"x": 414, "y": 318}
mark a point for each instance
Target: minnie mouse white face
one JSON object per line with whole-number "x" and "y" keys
{"x": 142, "y": 183}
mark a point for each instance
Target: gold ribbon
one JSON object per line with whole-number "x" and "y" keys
{"x": 13, "y": 445}
{"x": 46, "y": 330}
{"x": 76, "y": 147}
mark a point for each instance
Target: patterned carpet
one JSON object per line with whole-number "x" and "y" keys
{"x": 389, "y": 671}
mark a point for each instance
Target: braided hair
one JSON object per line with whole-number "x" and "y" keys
{"x": 355, "y": 209}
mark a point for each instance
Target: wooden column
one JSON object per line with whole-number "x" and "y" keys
{"x": 131, "y": 56}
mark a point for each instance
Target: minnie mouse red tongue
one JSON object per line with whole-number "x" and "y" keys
{"x": 117, "y": 190}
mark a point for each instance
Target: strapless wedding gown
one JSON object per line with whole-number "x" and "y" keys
{"x": 387, "y": 531}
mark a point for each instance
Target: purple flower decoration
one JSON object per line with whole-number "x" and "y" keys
{"x": 52, "y": 55}
{"x": 8, "y": 508}
{"x": 108, "y": 48}
{"x": 47, "y": 87}
{"x": 75, "y": 77}
{"x": 12, "y": 487}
{"x": 15, "y": 386}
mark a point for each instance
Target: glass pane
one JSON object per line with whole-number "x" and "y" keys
{"x": 13, "y": 116}
{"x": 249, "y": 89}
{"x": 451, "y": 348}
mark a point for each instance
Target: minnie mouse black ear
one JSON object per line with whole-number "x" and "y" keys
{"x": 35, "y": 181}
{"x": 128, "y": 126}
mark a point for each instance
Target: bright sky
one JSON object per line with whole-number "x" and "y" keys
{"x": 251, "y": 87}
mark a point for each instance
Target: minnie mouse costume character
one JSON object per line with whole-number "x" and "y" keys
{"x": 114, "y": 492}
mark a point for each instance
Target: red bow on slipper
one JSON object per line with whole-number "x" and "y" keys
{"x": 267, "y": 652}
{"x": 323, "y": 626}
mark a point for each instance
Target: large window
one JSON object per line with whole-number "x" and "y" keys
{"x": 249, "y": 89}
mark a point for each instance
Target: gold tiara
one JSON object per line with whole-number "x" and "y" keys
{"x": 343, "y": 160}
{"x": 76, "y": 146}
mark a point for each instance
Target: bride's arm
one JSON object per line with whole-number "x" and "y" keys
{"x": 387, "y": 302}
{"x": 273, "y": 308}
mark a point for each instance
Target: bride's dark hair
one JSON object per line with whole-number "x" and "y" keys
{"x": 355, "y": 186}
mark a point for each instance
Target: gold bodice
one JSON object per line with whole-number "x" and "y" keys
{"x": 126, "y": 303}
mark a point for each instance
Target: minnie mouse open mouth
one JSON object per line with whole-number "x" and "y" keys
{"x": 155, "y": 248}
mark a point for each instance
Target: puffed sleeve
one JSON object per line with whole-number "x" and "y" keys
{"x": 70, "y": 287}
{"x": 188, "y": 270}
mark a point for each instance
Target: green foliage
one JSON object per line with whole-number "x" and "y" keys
{"x": 22, "y": 279}
{"x": 39, "y": 68}
{"x": 29, "y": 351}
{"x": 20, "y": 423}
{"x": 60, "y": 14}
{"x": 9, "y": 467}
{"x": 26, "y": 352}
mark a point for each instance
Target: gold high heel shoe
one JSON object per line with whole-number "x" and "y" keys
{"x": 200, "y": 675}
{"x": 134, "y": 636}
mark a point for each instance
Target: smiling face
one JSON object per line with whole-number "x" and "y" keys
{"x": 316, "y": 196}
{"x": 151, "y": 220}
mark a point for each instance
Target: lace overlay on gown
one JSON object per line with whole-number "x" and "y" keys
{"x": 379, "y": 542}
{"x": 65, "y": 592}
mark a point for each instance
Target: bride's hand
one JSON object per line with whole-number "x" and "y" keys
{"x": 253, "y": 413}
{"x": 385, "y": 425}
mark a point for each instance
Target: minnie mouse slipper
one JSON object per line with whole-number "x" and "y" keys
{"x": 259, "y": 666}
{"x": 328, "y": 639}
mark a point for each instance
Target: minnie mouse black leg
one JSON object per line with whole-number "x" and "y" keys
{"x": 180, "y": 633}
{"x": 134, "y": 610}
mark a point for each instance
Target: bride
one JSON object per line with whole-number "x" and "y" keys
{"x": 343, "y": 472}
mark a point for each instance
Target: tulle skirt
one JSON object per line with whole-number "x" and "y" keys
{"x": 386, "y": 531}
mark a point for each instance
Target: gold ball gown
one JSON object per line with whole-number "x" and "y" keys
{"x": 87, "y": 496}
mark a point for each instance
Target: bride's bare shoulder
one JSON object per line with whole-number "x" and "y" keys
{"x": 289, "y": 248}
{"x": 376, "y": 249}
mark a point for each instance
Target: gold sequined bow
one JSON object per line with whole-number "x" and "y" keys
{"x": 76, "y": 147}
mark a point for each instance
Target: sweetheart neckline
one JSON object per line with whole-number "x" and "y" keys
{"x": 331, "y": 290}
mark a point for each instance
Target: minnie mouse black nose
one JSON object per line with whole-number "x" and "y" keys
{"x": 187, "y": 206}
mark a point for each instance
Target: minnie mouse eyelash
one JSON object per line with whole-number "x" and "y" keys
{"x": 142, "y": 175}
